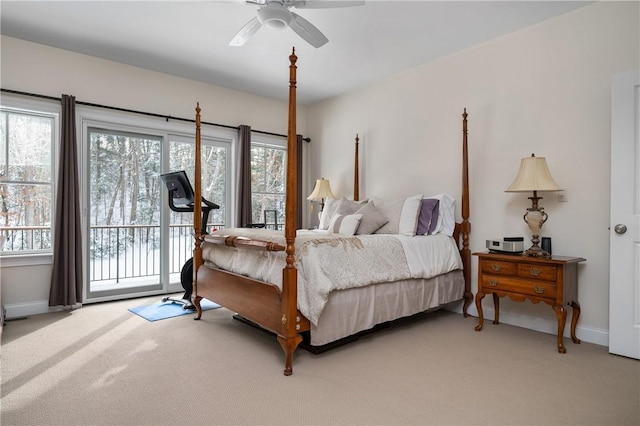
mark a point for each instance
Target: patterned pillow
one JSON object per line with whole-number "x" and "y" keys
{"x": 345, "y": 224}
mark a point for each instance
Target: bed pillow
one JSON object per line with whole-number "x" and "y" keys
{"x": 428, "y": 217}
{"x": 402, "y": 215}
{"x": 409, "y": 215}
{"x": 345, "y": 224}
{"x": 372, "y": 219}
{"x": 446, "y": 214}
{"x": 347, "y": 207}
{"x": 330, "y": 205}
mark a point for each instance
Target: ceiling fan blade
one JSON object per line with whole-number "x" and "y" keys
{"x": 324, "y": 4}
{"x": 307, "y": 31}
{"x": 245, "y": 33}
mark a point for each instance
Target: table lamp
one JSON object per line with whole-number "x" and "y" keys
{"x": 321, "y": 191}
{"x": 534, "y": 176}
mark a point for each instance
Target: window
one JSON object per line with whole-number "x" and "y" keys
{"x": 268, "y": 179}
{"x": 27, "y": 141}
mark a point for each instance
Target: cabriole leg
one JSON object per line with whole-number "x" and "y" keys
{"x": 289, "y": 345}
{"x": 479, "y": 298}
{"x": 561, "y": 313}
{"x": 196, "y": 303}
{"x": 574, "y": 320}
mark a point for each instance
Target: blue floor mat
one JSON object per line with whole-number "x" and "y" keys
{"x": 162, "y": 310}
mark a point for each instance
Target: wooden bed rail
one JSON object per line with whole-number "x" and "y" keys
{"x": 244, "y": 243}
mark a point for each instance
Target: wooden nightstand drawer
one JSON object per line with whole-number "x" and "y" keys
{"x": 537, "y": 272}
{"x": 498, "y": 267}
{"x": 542, "y": 289}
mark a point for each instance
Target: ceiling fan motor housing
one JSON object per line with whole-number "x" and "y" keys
{"x": 274, "y": 17}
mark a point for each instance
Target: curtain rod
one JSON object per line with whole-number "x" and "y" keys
{"x": 150, "y": 114}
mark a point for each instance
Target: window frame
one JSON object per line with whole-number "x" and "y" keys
{"x": 278, "y": 142}
{"x": 48, "y": 109}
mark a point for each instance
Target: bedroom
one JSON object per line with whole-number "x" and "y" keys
{"x": 551, "y": 98}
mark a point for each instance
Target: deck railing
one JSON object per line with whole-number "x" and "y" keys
{"x": 115, "y": 252}
{"x": 23, "y": 238}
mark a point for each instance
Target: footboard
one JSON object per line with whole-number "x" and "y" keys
{"x": 257, "y": 301}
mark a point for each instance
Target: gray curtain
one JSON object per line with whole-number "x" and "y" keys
{"x": 243, "y": 217}
{"x": 66, "y": 276}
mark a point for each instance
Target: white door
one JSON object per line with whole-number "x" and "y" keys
{"x": 624, "y": 280}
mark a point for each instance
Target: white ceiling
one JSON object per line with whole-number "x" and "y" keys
{"x": 190, "y": 38}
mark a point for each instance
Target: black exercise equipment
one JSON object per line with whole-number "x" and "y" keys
{"x": 181, "y": 199}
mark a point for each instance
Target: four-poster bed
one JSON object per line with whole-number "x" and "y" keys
{"x": 299, "y": 302}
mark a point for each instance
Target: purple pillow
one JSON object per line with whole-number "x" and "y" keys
{"x": 428, "y": 217}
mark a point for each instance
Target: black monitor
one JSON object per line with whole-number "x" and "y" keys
{"x": 181, "y": 196}
{"x": 180, "y": 191}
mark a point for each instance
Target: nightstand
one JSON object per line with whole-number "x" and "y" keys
{"x": 553, "y": 281}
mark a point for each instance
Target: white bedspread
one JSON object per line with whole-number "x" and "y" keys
{"x": 328, "y": 262}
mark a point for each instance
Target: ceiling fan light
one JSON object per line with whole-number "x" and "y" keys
{"x": 274, "y": 17}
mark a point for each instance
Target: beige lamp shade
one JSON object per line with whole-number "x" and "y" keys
{"x": 533, "y": 175}
{"x": 321, "y": 191}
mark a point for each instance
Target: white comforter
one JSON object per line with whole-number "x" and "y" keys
{"x": 328, "y": 262}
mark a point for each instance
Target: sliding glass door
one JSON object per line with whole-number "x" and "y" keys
{"x": 124, "y": 212}
{"x": 135, "y": 245}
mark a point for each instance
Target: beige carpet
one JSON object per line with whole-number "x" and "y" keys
{"x": 104, "y": 365}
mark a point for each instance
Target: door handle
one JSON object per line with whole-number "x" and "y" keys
{"x": 620, "y": 228}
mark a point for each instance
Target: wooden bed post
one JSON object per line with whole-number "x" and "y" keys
{"x": 197, "y": 216}
{"x": 288, "y": 337}
{"x": 465, "y": 226}
{"x": 356, "y": 173}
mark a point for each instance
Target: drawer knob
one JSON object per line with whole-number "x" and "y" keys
{"x": 540, "y": 290}
{"x": 535, "y": 272}
{"x": 493, "y": 283}
{"x": 495, "y": 267}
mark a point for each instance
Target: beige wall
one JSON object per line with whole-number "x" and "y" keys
{"x": 543, "y": 90}
{"x": 44, "y": 70}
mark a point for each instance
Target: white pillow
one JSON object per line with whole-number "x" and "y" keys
{"x": 345, "y": 224}
{"x": 330, "y": 206}
{"x": 402, "y": 214}
{"x": 409, "y": 215}
{"x": 446, "y": 214}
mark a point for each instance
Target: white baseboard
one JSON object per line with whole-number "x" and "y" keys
{"x": 544, "y": 325}
{"x": 21, "y": 310}
{"x": 550, "y": 326}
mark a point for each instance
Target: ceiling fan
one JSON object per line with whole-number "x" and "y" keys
{"x": 275, "y": 15}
